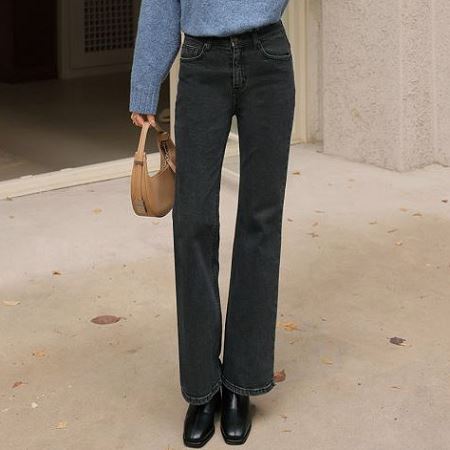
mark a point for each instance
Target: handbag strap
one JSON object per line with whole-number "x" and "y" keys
{"x": 143, "y": 137}
{"x": 140, "y": 153}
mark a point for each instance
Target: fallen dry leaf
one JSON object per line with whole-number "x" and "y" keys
{"x": 105, "y": 320}
{"x": 17, "y": 384}
{"x": 279, "y": 376}
{"x": 39, "y": 353}
{"x": 296, "y": 172}
{"x": 56, "y": 272}
{"x": 61, "y": 425}
{"x": 97, "y": 210}
{"x": 326, "y": 361}
{"x": 11, "y": 302}
{"x": 288, "y": 326}
{"x": 417, "y": 214}
{"x": 397, "y": 340}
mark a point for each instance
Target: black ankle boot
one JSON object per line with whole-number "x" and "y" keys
{"x": 199, "y": 422}
{"x": 235, "y": 422}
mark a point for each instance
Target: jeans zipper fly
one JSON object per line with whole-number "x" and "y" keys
{"x": 237, "y": 71}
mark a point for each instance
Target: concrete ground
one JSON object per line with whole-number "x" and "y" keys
{"x": 365, "y": 258}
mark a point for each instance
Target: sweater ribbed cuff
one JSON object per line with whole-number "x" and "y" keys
{"x": 144, "y": 99}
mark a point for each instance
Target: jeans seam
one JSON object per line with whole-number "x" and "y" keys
{"x": 214, "y": 252}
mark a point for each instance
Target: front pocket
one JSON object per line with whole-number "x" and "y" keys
{"x": 275, "y": 47}
{"x": 192, "y": 51}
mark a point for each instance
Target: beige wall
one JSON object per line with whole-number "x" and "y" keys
{"x": 386, "y": 91}
{"x": 314, "y": 70}
{"x": 441, "y": 74}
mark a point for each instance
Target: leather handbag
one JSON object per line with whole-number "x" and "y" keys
{"x": 154, "y": 196}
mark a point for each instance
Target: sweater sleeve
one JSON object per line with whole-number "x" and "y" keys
{"x": 156, "y": 45}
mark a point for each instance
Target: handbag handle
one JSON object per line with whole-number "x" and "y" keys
{"x": 140, "y": 153}
{"x": 144, "y": 131}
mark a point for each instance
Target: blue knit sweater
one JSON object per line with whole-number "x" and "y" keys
{"x": 158, "y": 36}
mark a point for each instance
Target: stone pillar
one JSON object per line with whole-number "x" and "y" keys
{"x": 386, "y": 81}
{"x": 441, "y": 49}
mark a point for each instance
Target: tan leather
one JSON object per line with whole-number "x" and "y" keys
{"x": 153, "y": 196}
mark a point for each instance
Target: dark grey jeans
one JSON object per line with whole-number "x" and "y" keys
{"x": 249, "y": 75}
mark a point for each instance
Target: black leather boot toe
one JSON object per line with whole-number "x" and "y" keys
{"x": 199, "y": 422}
{"x": 235, "y": 422}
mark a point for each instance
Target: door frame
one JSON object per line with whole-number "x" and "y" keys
{"x": 295, "y": 21}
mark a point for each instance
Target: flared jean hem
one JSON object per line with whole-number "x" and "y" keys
{"x": 198, "y": 400}
{"x": 247, "y": 391}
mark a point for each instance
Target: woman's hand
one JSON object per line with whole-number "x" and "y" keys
{"x": 139, "y": 119}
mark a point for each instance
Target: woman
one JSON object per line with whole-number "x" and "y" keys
{"x": 235, "y": 60}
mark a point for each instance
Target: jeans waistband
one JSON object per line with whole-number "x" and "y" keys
{"x": 239, "y": 39}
